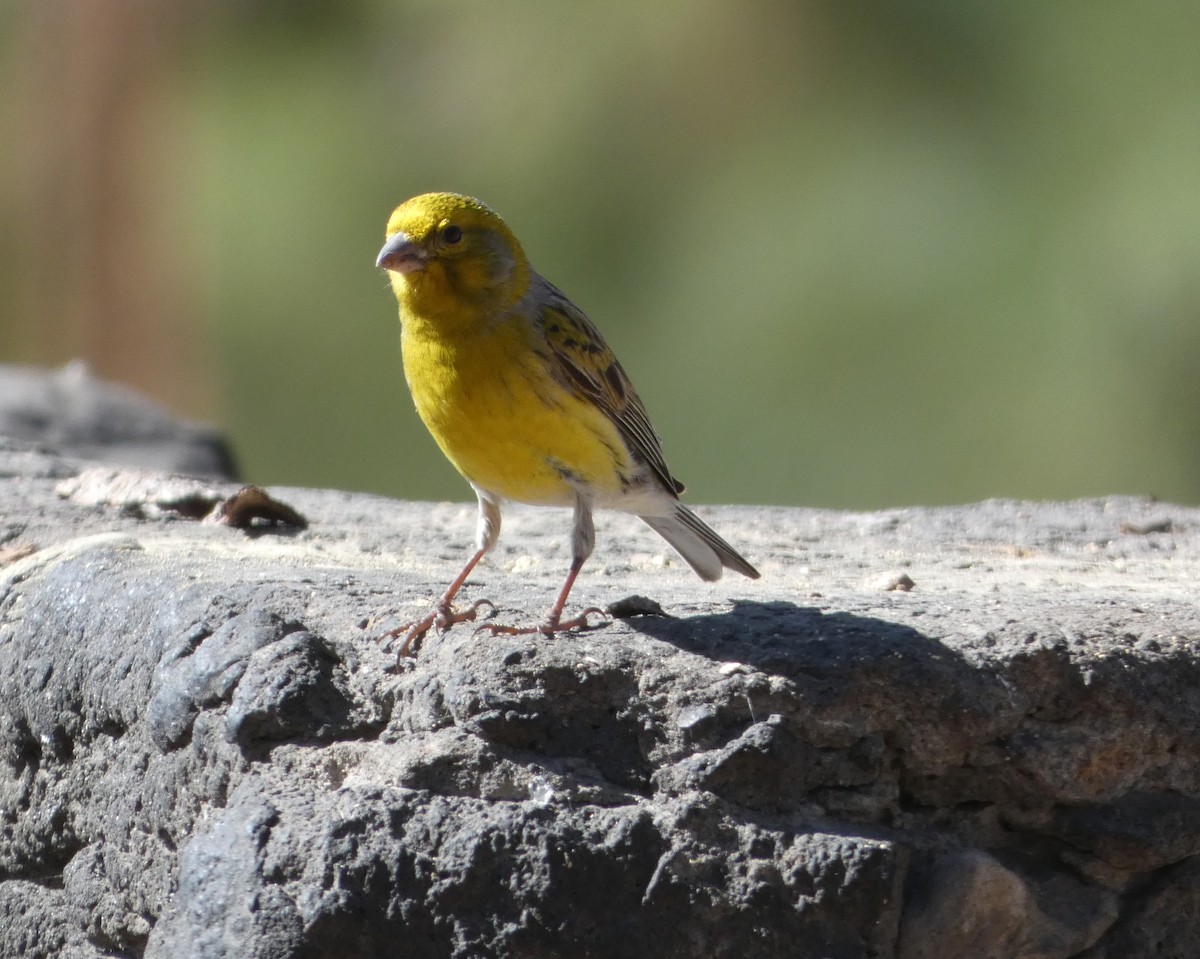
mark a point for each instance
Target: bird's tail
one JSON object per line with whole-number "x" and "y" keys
{"x": 699, "y": 544}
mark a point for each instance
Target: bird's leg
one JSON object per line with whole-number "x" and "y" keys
{"x": 554, "y": 623}
{"x": 583, "y": 540}
{"x": 443, "y": 615}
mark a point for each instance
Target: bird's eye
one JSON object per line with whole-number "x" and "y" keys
{"x": 452, "y": 233}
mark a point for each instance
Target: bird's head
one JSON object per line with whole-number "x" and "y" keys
{"x": 450, "y": 256}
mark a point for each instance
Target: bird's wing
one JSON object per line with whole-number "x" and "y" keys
{"x": 584, "y": 363}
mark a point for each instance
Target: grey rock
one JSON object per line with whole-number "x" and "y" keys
{"x": 79, "y": 414}
{"x": 204, "y": 753}
{"x": 299, "y": 686}
{"x": 37, "y": 922}
{"x": 201, "y": 669}
{"x": 226, "y": 904}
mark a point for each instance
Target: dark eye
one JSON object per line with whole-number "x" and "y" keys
{"x": 452, "y": 234}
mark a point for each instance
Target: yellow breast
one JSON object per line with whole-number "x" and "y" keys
{"x": 502, "y": 419}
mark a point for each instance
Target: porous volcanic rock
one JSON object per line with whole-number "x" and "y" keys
{"x": 968, "y": 731}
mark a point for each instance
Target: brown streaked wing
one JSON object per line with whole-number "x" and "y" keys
{"x": 584, "y": 362}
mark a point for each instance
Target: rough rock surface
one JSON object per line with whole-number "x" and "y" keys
{"x": 969, "y": 731}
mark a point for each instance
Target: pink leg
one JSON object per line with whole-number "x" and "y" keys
{"x": 443, "y": 615}
{"x": 553, "y": 623}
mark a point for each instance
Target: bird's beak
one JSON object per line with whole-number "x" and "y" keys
{"x": 401, "y": 255}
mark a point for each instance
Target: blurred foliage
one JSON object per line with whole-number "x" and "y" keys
{"x": 853, "y": 254}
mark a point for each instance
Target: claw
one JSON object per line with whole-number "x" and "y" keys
{"x": 412, "y": 634}
{"x": 547, "y": 628}
{"x": 442, "y": 617}
{"x": 581, "y": 621}
{"x": 446, "y": 617}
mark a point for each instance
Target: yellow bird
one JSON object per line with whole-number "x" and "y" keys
{"x": 524, "y": 397}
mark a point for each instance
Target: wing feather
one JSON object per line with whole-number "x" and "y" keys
{"x": 583, "y": 362}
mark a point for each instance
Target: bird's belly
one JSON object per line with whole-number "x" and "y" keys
{"x": 511, "y": 429}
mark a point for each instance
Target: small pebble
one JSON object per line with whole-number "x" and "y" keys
{"x": 896, "y": 584}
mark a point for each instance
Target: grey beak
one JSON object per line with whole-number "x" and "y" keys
{"x": 401, "y": 255}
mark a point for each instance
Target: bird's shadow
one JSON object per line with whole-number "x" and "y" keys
{"x": 784, "y": 638}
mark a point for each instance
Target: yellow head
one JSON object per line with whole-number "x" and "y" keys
{"x": 452, "y": 260}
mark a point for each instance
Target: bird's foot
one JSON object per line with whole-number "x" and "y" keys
{"x": 553, "y": 624}
{"x": 442, "y": 616}
{"x": 447, "y": 617}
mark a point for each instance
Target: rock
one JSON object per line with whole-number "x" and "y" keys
{"x": 969, "y": 904}
{"x": 1162, "y": 921}
{"x": 203, "y": 668}
{"x": 78, "y": 414}
{"x": 203, "y": 754}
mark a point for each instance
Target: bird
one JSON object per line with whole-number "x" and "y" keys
{"x": 526, "y": 400}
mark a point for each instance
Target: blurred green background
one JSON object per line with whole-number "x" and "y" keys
{"x": 852, "y": 253}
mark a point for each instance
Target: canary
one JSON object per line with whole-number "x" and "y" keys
{"x": 524, "y": 397}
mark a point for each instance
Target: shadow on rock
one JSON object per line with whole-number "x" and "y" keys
{"x": 801, "y": 642}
